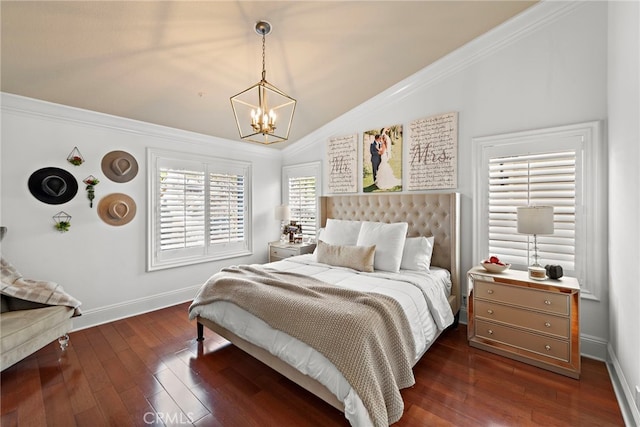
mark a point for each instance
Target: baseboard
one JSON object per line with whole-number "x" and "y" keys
{"x": 593, "y": 347}
{"x": 110, "y": 313}
{"x": 623, "y": 391}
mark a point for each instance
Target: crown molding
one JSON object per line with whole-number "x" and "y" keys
{"x": 29, "y": 107}
{"x": 528, "y": 22}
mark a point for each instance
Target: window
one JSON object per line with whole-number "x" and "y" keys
{"x": 198, "y": 209}
{"x": 301, "y": 188}
{"x": 560, "y": 167}
{"x": 547, "y": 179}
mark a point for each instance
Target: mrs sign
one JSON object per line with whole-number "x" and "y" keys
{"x": 433, "y": 152}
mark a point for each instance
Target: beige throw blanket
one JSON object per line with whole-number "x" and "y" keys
{"x": 40, "y": 291}
{"x": 365, "y": 335}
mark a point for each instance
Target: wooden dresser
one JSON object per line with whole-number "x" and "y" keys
{"x": 535, "y": 322}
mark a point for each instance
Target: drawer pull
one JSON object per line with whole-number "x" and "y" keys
{"x": 547, "y": 302}
{"x": 489, "y": 291}
{"x": 490, "y": 311}
{"x": 547, "y": 347}
{"x": 547, "y": 324}
{"x": 490, "y": 331}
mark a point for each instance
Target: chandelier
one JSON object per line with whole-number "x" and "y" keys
{"x": 263, "y": 112}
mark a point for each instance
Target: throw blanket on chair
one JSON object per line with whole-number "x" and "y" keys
{"x": 365, "y": 335}
{"x": 40, "y": 291}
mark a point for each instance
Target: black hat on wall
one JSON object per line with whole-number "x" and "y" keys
{"x": 53, "y": 185}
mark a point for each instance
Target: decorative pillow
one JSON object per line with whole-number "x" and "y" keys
{"x": 389, "y": 240}
{"x": 341, "y": 232}
{"x": 357, "y": 257}
{"x": 417, "y": 253}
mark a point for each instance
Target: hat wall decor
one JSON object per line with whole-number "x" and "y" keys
{"x": 53, "y": 186}
{"x": 75, "y": 158}
{"x": 117, "y": 209}
{"x": 119, "y": 166}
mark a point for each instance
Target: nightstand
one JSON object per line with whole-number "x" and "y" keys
{"x": 279, "y": 251}
{"x": 535, "y": 322}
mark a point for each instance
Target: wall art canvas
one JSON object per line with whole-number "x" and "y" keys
{"x": 433, "y": 152}
{"x": 382, "y": 159}
{"x": 342, "y": 160}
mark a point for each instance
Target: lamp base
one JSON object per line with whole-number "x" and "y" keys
{"x": 537, "y": 272}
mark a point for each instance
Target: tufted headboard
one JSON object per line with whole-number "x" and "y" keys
{"x": 436, "y": 215}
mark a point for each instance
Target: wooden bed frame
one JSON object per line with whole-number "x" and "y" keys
{"x": 435, "y": 215}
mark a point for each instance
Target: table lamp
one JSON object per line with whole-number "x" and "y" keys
{"x": 282, "y": 214}
{"x": 535, "y": 220}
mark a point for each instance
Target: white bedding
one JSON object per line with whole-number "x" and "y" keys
{"x": 423, "y": 295}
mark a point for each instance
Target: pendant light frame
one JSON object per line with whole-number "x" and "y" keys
{"x": 263, "y": 113}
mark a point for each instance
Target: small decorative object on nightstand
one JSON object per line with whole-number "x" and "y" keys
{"x": 533, "y": 321}
{"x": 279, "y": 251}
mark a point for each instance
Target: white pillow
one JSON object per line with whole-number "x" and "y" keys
{"x": 389, "y": 241}
{"x": 341, "y": 232}
{"x": 417, "y": 253}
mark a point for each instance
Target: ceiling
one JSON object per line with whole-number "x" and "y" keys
{"x": 177, "y": 63}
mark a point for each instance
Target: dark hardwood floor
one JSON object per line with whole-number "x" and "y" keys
{"x": 149, "y": 370}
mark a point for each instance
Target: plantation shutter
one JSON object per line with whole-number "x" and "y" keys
{"x": 227, "y": 208}
{"x": 302, "y": 203}
{"x": 534, "y": 179}
{"x": 182, "y": 208}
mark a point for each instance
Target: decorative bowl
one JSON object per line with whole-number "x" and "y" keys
{"x": 495, "y": 268}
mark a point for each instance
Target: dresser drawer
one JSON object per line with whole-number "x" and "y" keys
{"x": 546, "y": 346}
{"x": 551, "y": 302}
{"x": 542, "y": 322}
{"x": 280, "y": 253}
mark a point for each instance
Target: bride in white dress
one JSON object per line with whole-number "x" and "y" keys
{"x": 385, "y": 178}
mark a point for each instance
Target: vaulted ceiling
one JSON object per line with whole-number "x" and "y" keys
{"x": 177, "y": 63}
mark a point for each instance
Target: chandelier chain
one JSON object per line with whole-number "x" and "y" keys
{"x": 264, "y": 70}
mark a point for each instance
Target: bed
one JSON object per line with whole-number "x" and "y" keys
{"x": 434, "y": 215}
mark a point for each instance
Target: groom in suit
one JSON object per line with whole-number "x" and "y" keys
{"x": 375, "y": 148}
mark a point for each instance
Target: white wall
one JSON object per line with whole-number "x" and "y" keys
{"x": 544, "y": 68}
{"x": 624, "y": 197}
{"x": 547, "y": 67}
{"x": 101, "y": 265}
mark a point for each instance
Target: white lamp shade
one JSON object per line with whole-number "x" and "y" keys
{"x": 535, "y": 220}
{"x": 282, "y": 213}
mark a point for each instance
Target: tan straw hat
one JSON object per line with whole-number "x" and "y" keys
{"x": 117, "y": 209}
{"x": 119, "y": 166}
